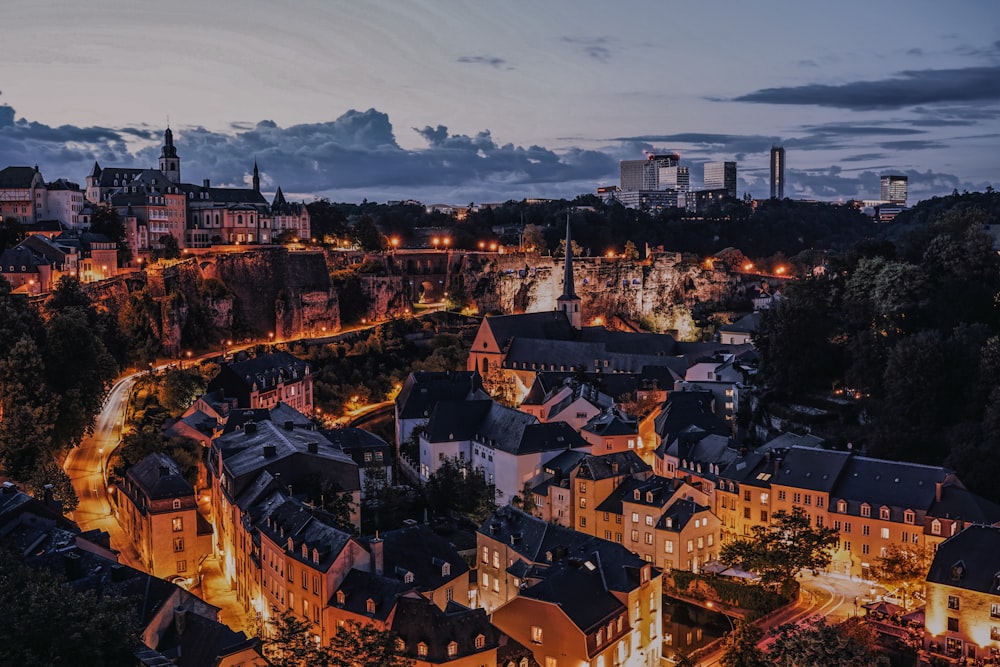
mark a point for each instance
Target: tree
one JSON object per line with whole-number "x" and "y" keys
{"x": 631, "y": 253}
{"x": 364, "y": 645}
{"x": 46, "y": 473}
{"x": 780, "y": 550}
{"x": 455, "y": 485}
{"x": 180, "y": 388}
{"x": 741, "y": 647}
{"x": 92, "y": 630}
{"x": 11, "y": 233}
{"x": 526, "y": 500}
{"x": 845, "y": 645}
{"x": 901, "y": 567}
{"x": 28, "y": 411}
{"x": 171, "y": 249}
{"x": 532, "y": 239}
{"x": 366, "y": 235}
{"x": 288, "y": 642}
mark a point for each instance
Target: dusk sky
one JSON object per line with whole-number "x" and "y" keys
{"x": 454, "y": 101}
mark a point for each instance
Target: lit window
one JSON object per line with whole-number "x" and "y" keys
{"x": 536, "y": 634}
{"x": 452, "y": 649}
{"x": 422, "y": 650}
{"x": 480, "y": 641}
{"x": 177, "y": 524}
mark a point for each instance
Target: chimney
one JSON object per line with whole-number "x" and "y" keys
{"x": 73, "y": 564}
{"x": 48, "y": 494}
{"x": 205, "y": 184}
{"x": 313, "y": 447}
{"x": 270, "y": 451}
{"x": 938, "y": 486}
{"x": 289, "y": 425}
{"x": 378, "y": 558}
{"x": 8, "y": 488}
{"x": 180, "y": 619}
{"x": 250, "y": 428}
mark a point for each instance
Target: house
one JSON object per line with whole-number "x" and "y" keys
{"x": 422, "y": 390}
{"x": 723, "y": 375}
{"x": 570, "y": 598}
{"x": 741, "y": 331}
{"x": 22, "y": 194}
{"x": 372, "y": 454}
{"x": 962, "y": 614}
{"x": 266, "y": 380}
{"x": 159, "y": 512}
{"x": 683, "y": 411}
{"x": 612, "y": 431}
{"x": 247, "y": 464}
{"x": 509, "y": 447}
{"x": 573, "y": 402}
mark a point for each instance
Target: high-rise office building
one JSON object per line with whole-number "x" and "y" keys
{"x": 645, "y": 174}
{"x": 721, "y": 176}
{"x": 675, "y": 178}
{"x": 777, "y": 172}
{"x": 894, "y": 189}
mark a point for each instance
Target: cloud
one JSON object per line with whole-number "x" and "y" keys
{"x": 492, "y": 61}
{"x": 911, "y": 145}
{"x": 596, "y": 48}
{"x": 908, "y": 88}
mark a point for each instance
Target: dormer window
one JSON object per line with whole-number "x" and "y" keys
{"x": 408, "y": 578}
{"x": 636, "y": 494}
{"x": 316, "y": 556}
{"x": 305, "y": 550}
{"x": 935, "y": 527}
{"x": 866, "y": 510}
{"x": 842, "y": 506}
{"x": 291, "y": 544}
{"x": 370, "y": 606}
{"x": 400, "y": 645}
{"x": 480, "y": 641}
{"x": 445, "y": 569}
{"x": 649, "y": 496}
{"x": 958, "y": 571}
{"x": 452, "y": 649}
{"x": 341, "y": 598}
{"x": 177, "y": 503}
{"x": 909, "y": 516}
{"x": 883, "y": 513}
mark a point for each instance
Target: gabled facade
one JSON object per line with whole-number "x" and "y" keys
{"x": 266, "y": 380}
{"x": 962, "y": 614}
{"x": 159, "y": 512}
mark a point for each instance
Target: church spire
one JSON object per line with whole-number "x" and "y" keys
{"x": 170, "y": 162}
{"x": 256, "y": 177}
{"x": 569, "y": 302}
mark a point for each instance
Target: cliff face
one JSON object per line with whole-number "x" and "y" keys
{"x": 518, "y": 283}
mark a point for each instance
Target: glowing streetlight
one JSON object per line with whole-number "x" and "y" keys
{"x": 748, "y": 266}
{"x": 435, "y": 242}
{"x": 395, "y": 243}
{"x": 447, "y": 242}
{"x": 482, "y": 245}
{"x": 493, "y": 246}
{"x": 780, "y": 270}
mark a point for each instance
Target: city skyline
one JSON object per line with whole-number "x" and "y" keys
{"x": 464, "y": 102}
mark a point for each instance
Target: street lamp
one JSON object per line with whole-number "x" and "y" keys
{"x": 711, "y": 605}
{"x": 435, "y": 242}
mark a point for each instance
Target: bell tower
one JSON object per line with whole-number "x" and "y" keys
{"x": 170, "y": 163}
{"x": 569, "y": 302}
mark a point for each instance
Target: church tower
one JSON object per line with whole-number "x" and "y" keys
{"x": 569, "y": 302}
{"x": 256, "y": 177}
{"x": 170, "y": 164}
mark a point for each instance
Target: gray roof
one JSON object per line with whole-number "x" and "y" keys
{"x": 895, "y": 484}
{"x": 613, "y": 422}
{"x": 418, "y": 620}
{"x": 683, "y": 409}
{"x": 268, "y": 446}
{"x": 421, "y": 552}
{"x": 968, "y": 560}
{"x": 746, "y": 324}
{"x": 287, "y": 518}
{"x": 159, "y": 477}
{"x": 811, "y": 469}
{"x": 423, "y": 389}
{"x": 612, "y": 465}
{"x": 661, "y": 488}
{"x": 577, "y": 586}
{"x": 17, "y": 177}
{"x": 547, "y": 325}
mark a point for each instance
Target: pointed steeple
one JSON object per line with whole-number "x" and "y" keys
{"x": 256, "y": 176}
{"x": 279, "y": 198}
{"x": 97, "y": 170}
{"x": 569, "y": 302}
{"x": 170, "y": 162}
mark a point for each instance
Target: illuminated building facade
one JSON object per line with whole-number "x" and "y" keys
{"x": 894, "y": 189}
{"x": 777, "y": 172}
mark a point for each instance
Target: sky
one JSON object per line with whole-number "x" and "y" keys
{"x": 459, "y": 101}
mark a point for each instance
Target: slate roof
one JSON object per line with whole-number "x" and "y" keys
{"x": 746, "y": 324}
{"x": 551, "y": 354}
{"x": 678, "y": 515}
{"x": 280, "y": 414}
{"x": 419, "y": 620}
{"x": 352, "y": 440}
{"x": 811, "y": 469}
{"x": 662, "y": 488}
{"x": 423, "y": 389}
{"x": 612, "y": 422}
{"x": 17, "y": 177}
{"x": 612, "y": 465}
{"x": 546, "y": 438}
{"x": 202, "y": 642}
{"x": 547, "y": 325}
{"x": 968, "y": 560}
{"x": 266, "y": 371}
{"x": 358, "y": 587}
{"x": 247, "y": 453}
{"x": 291, "y": 518}
{"x": 578, "y": 588}
{"x": 580, "y": 391}
{"x": 701, "y": 451}
{"x": 422, "y": 552}
{"x": 878, "y": 482}
{"x": 160, "y": 477}
{"x": 482, "y": 421}
{"x": 958, "y": 502}
{"x": 21, "y": 256}
{"x": 687, "y": 408}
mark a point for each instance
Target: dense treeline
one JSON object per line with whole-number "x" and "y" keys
{"x": 910, "y": 327}
{"x": 785, "y": 228}
{"x": 55, "y": 370}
